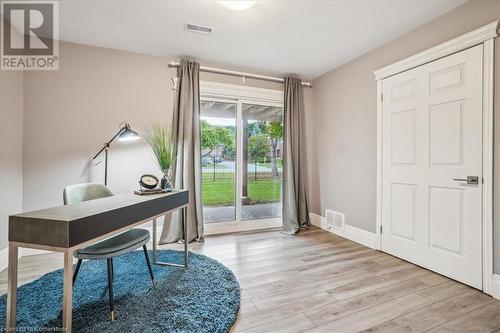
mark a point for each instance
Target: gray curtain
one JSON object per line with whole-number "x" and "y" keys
{"x": 187, "y": 170}
{"x": 295, "y": 209}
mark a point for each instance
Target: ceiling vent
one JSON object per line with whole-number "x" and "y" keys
{"x": 335, "y": 219}
{"x": 199, "y": 29}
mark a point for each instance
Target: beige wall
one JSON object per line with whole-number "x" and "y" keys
{"x": 11, "y": 150}
{"x": 70, "y": 113}
{"x": 345, "y": 114}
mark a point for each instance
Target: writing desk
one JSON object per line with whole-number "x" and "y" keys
{"x": 67, "y": 228}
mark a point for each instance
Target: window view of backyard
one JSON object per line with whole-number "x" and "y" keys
{"x": 262, "y": 161}
{"x": 218, "y": 159}
{"x": 261, "y": 173}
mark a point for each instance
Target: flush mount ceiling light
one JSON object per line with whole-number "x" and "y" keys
{"x": 238, "y": 4}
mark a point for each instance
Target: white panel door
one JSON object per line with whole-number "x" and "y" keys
{"x": 431, "y": 135}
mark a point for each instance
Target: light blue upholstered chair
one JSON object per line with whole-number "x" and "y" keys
{"x": 123, "y": 243}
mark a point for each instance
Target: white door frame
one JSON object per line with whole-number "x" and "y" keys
{"x": 482, "y": 36}
{"x": 239, "y": 94}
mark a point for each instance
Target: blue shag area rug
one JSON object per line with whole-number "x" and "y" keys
{"x": 203, "y": 298}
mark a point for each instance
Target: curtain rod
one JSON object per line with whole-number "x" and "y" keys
{"x": 241, "y": 74}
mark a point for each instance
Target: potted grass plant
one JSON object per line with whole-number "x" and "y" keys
{"x": 159, "y": 139}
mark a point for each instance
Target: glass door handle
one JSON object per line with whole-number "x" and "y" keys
{"x": 471, "y": 180}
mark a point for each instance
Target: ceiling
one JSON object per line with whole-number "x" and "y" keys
{"x": 307, "y": 38}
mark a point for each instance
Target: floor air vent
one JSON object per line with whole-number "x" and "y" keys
{"x": 335, "y": 219}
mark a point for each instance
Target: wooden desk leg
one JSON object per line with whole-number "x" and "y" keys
{"x": 186, "y": 253}
{"x": 67, "y": 306}
{"x": 186, "y": 238}
{"x": 12, "y": 288}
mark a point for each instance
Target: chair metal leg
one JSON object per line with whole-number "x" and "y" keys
{"x": 145, "y": 248}
{"x": 110, "y": 287}
{"x": 113, "y": 270}
{"x": 77, "y": 269}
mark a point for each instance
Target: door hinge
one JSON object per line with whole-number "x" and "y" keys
{"x": 380, "y": 229}
{"x": 381, "y": 97}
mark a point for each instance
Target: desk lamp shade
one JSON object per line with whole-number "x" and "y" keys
{"x": 127, "y": 134}
{"x": 123, "y": 134}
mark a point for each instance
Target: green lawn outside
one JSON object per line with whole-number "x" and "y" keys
{"x": 218, "y": 193}
{"x": 279, "y": 164}
{"x": 222, "y": 193}
{"x": 264, "y": 191}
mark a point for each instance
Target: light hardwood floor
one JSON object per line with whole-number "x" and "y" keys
{"x": 318, "y": 282}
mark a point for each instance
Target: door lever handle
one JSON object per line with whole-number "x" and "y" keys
{"x": 471, "y": 180}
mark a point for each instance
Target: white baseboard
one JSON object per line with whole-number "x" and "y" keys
{"x": 4, "y": 258}
{"x": 495, "y": 286}
{"x": 22, "y": 252}
{"x": 357, "y": 235}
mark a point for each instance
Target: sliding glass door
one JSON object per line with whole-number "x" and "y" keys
{"x": 242, "y": 145}
{"x": 218, "y": 159}
{"x": 262, "y": 161}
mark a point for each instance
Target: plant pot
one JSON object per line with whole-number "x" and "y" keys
{"x": 166, "y": 183}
